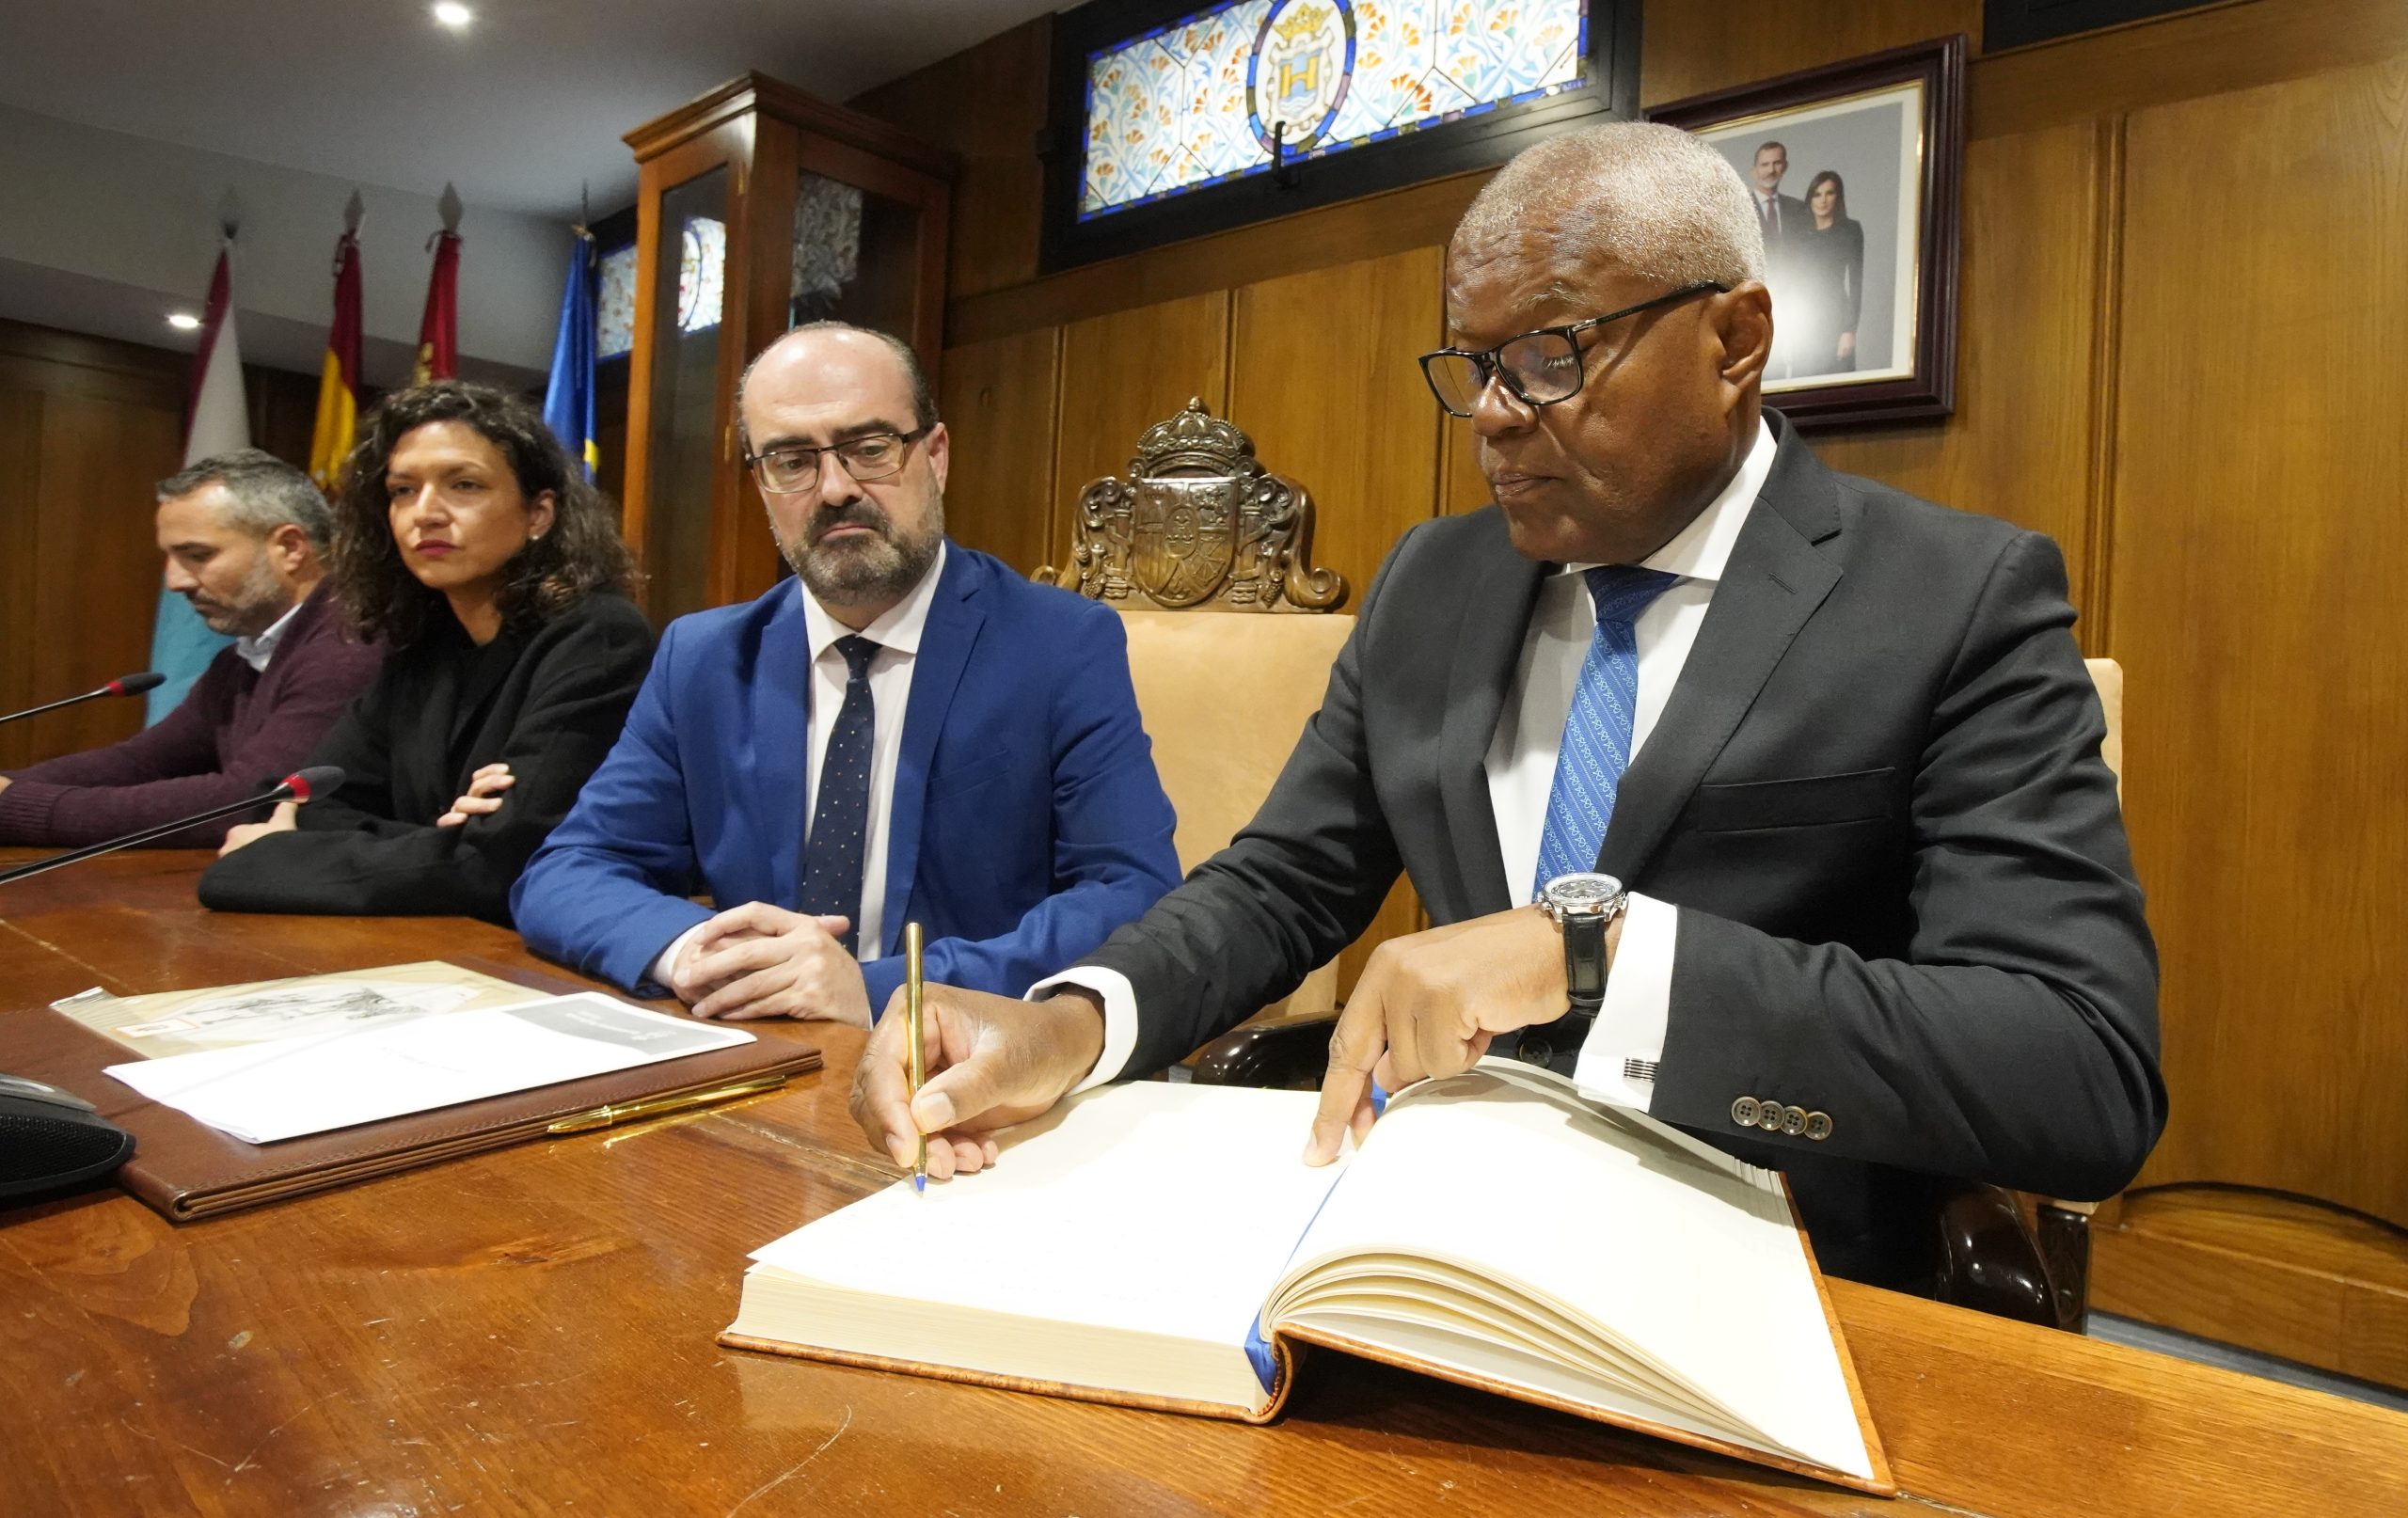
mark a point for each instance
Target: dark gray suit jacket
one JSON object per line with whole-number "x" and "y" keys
{"x": 1876, "y": 795}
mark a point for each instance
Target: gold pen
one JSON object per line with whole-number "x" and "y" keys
{"x": 912, "y": 1032}
{"x": 610, "y": 1116}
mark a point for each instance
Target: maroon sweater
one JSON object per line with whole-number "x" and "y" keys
{"x": 236, "y": 729}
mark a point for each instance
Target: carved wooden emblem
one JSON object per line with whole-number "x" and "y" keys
{"x": 1198, "y": 520}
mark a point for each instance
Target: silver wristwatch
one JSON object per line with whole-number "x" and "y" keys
{"x": 1582, "y": 905}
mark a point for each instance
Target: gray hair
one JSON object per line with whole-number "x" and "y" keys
{"x": 924, "y": 398}
{"x": 264, "y": 493}
{"x": 1651, "y": 197}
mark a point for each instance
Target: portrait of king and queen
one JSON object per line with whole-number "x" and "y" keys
{"x": 1200, "y": 102}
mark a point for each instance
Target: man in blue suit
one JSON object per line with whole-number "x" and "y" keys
{"x": 912, "y": 733}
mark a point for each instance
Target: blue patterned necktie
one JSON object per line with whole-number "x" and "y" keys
{"x": 1596, "y": 732}
{"x": 831, "y": 877}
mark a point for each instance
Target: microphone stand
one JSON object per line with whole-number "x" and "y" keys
{"x": 285, "y": 791}
{"x": 129, "y": 685}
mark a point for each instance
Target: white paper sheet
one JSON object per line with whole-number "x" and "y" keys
{"x": 283, "y": 1089}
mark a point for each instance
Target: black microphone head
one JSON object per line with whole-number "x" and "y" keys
{"x": 318, "y": 780}
{"x": 134, "y": 685}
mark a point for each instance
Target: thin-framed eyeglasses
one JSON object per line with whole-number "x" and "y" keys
{"x": 1538, "y": 367}
{"x": 793, "y": 469}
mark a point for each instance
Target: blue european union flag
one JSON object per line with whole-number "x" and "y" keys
{"x": 568, "y": 400}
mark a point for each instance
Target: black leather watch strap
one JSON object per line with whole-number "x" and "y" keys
{"x": 1584, "y": 960}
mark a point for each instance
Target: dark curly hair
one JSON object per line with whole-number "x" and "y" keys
{"x": 579, "y": 555}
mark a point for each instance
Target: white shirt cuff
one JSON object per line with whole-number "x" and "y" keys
{"x": 658, "y": 975}
{"x": 1629, "y": 1029}
{"x": 1120, "y": 1017}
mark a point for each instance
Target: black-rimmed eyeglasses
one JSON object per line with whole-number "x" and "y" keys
{"x": 1539, "y": 368}
{"x": 794, "y": 469}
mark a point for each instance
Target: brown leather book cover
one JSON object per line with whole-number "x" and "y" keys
{"x": 186, "y": 1170}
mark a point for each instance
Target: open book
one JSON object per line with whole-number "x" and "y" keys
{"x": 1163, "y": 1246}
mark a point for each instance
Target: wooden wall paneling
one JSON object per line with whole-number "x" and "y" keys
{"x": 2260, "y": 536}
{"x": 22, "y": 644}
{"x": 1419, "y": 217}
{"x": 1693, "y": 46}
{"x": 97, "y": 557}
{"x": 999, "y": 402}
{"x": 988, "y": 105}
{"x": 1322, "y": 373}
{"x": 2176, "y": 58}
{"x": 2019, "y": 444}
{"x": 1125, "y": 371}
{"x": 283, "y": 408}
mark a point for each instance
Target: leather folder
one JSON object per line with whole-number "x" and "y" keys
{"x": 185, "y": 1170}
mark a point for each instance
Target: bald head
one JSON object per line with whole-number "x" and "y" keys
{"x": 860, "y": 351}
{"x": 1647, "y": 198}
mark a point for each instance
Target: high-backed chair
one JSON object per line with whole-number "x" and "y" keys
{"x": 1199, "y": 526}
{"x": 1999, "y": 1251}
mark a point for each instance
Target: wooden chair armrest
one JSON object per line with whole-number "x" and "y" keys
{"x": 1287, "y": 1053}
{"x": 1991, "y": 1261}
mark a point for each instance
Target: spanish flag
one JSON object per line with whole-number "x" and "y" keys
{"x": 338, "y": 379}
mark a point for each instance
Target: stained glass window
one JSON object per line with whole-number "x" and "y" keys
{"x": 702, "y": 273}
{"x": 1198, "y": 102}
{"x": 614, "y": 314}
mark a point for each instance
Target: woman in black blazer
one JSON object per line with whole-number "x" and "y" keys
{"x": 1827, "y": 281}
{"x": 495, "y": 577}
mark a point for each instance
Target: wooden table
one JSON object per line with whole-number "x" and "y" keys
{"x": 532, "y": 1332}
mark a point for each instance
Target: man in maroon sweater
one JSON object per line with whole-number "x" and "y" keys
{"x": 245, "y": 537}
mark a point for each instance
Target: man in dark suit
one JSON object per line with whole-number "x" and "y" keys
{"x": 1785, "y": 220}
{"x": 1880, "y": 926}
{"x": 909, "y": 731}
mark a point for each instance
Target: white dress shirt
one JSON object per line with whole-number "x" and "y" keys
{"x": 897, "y": 634}
{"x": 1521, "y": 776}
{"x": 259, "y": 647}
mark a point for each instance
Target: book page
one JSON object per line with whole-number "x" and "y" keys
{"x": 262, "y": 1093}
{"x": 1684, "y": 1255}
{"x": 1146, "y": 1208}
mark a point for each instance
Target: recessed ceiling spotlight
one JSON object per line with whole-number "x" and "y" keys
{"x": 183, "y": 320}
{"x": 453, "y": 14}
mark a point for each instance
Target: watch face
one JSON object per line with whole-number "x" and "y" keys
{"x": 1582, "y": 892}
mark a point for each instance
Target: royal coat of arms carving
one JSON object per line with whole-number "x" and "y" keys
{"x": 1198, "y": 520}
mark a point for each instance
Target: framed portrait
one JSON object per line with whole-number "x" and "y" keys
{"x": 1853, "y": 169}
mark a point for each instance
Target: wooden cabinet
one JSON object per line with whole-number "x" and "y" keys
{"x": 759, "y": 208}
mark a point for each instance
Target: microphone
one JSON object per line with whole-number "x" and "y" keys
{"x": 300, "y": 786}
{"x": 124, "y": 685}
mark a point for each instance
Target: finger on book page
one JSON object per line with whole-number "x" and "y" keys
{"x": 1356, "y": 1045}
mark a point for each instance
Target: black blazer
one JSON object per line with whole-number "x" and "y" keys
{"x": 1876, "y": 795}
{"x": 547, "y": 701}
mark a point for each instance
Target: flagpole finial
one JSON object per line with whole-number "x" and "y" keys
{"x": 450, "y": 208}
{"x": 230, "y": 214}
{"x": 354, "y": 211}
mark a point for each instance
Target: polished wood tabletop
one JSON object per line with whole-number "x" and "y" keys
{"x": 531, "y": 1331}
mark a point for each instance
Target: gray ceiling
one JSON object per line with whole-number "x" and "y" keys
{"x": 516, "y": 111}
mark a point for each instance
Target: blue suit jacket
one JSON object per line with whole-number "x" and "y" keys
{"x": 1027, "y": 821}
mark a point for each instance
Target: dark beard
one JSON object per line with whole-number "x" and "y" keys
{"x": 880, "y": 568}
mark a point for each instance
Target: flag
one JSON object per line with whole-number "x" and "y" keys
{"x": 439, "y": 331}
{"x": 182, "y": 644}
{"x": 568, "y": 400}
{"x": 338, "y": 378}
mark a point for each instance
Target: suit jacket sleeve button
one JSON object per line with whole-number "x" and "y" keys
{"x": 1793, "y": 1120}
{"x": 1819, "y": 1126}
{"x": 1768, "y": 1117}
{"x": 1743, "y": 1112}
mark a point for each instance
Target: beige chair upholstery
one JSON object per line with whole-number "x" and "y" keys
{"x": 1224, "y": 698}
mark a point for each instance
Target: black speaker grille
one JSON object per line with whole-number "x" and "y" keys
{"x": 34, "y": 1149}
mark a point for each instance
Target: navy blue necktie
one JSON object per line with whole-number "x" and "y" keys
{"x": 831, "y": 874}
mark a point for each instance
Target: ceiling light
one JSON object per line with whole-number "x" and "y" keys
{"x": 453, "y": 14}
{"x": 183, "y": 320}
